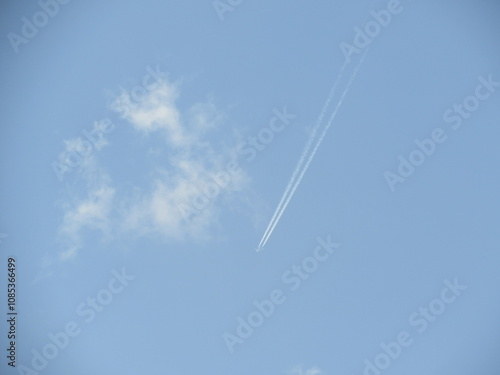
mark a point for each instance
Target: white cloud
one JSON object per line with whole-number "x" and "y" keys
{"x": 192, "y": 162}
{"x": 157, "y": 111}
{"x": 91, "y": 212}
{"x": 204, "y": 116}
{"x": 298, "y": 370}
{"x": 83, "y": 146}
{"x": 78, "y": 151}
{"x": 174, "y": 180}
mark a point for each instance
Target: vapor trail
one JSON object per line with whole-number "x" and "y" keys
{"x": 307, "y": 147}
{"x": 282, "y": 206}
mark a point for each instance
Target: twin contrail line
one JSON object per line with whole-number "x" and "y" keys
{"x": 306, "y": 150}
{"x": 301, "y": 168}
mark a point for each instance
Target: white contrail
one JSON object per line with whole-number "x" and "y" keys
{"x": 309, "y": 143}
{"x": 313, "y": 153}
{"x": 282, "y": 207}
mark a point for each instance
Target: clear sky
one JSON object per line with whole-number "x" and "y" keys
{"x": 118, "y": 115}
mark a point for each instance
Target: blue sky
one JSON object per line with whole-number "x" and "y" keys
{"x": 173, "y": 93}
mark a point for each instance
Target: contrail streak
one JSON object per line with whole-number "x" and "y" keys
{"x": 307, "y": 148}
{"x": 282, "y": 206}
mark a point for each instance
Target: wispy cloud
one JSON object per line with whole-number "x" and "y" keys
{"x": 298, "y": 370}
{"x": 192, "y": 160}
{"x": 158, "y": 111}
{"x": 193, "y": 155}
{"x": 77, "y": 151}
{"x": 92, "y": 212}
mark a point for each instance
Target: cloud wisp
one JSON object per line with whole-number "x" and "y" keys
{"x": 298, "y": 370}
{"x": 182, "y": 157}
